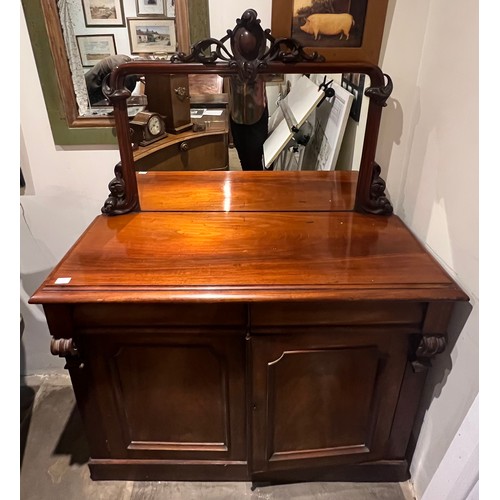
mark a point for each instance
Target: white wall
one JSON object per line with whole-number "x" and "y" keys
{"x": 66, "y": 188}
{"x": 428, "y": 150}
{"x": 223, "y": 14}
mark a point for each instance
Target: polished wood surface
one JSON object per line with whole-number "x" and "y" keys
{"x": 247, "y": 256}
{"x": 216, "y": 126}
{"x": 247, "y": 191}
{"x": 175, "y": 396}
{"x": 297, "y": 391}
{"x": 249, "y": 326}
{"x": 264, "y": 326}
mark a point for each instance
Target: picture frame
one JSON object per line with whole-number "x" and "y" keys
{"x": 361, "y": 43}
{"x": 151, "y": 35}
{"x": 151, "y": 8}
{"x": 94, "y": 48}
{"x": 103, "y": 13}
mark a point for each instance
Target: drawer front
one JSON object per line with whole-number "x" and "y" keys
{"x": 267, "y": 317}
{"x": 198, "y": 153}
{"x": 203, "y": 316}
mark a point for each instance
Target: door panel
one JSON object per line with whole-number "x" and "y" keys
{"x": 306, "y": 393}
{"x": 175, "y": 397}
{"x": 323, "y": 399}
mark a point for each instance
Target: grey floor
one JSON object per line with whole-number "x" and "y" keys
{"x": 54, "y": 455}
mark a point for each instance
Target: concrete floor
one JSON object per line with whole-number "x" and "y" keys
{"x": 54, "y": 454}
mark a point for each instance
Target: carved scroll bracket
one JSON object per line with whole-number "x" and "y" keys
{"x": 428, "y": 347}
{"x": 378, "y": 202}
{"x": 116, "y": 202}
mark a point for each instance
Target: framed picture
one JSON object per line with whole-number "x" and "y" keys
{"x": 340, "y": 30}
{"x": 150, "y": 35}
{"x": 103, "y": 12}
{"x": 94, "y": 48}
{"x": 151, "y": 8}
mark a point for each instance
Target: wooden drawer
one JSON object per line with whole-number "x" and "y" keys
{"x": 208, "y": 152}
{"x": 352, "y": 313}
{"x": 212, "y": 316}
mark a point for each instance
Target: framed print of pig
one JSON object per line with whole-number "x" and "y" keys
{"x": 340, "y": 30}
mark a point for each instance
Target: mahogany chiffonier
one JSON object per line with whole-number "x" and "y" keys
{"x": 263, "y": 326}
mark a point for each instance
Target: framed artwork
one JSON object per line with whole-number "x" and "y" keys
{"x": 103, "y": 12}
{"x": 150, "y": 35}
{"x": 355, "y": 84}
{"x": 340, "y": 30}
{"x": 94, "y": 48}
{"x": 151, "y": 8}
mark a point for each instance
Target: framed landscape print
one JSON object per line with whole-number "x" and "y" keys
{"x": 103, "y": 12}
{"x": 340, "y": 30}
{"x": 150, "y": 35}
{"x": 94, "y": 48}
{"x": 151, "y": 8}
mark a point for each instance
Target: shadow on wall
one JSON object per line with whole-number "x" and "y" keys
{"x": 35, "y": 341}
{"x": 438, "y": 374}
{"x": 390, "y": 136}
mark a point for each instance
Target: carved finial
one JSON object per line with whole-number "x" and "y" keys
{"x": 379, "y": 95}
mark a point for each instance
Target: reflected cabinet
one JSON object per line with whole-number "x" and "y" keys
{"x": 260, "y": 326}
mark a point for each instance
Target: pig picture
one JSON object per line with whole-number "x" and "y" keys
{"x": 328, "y": 24}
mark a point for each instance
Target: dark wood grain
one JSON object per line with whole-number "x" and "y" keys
{"x": 250, "y": 256}
{"x": 323, "y": 399}
{"x": 247, "y": 191}
{"x": 207, "y": 152}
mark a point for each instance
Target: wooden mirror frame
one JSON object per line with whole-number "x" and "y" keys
{"x": 68, "y": 127}
{"x": 250, "y": 56}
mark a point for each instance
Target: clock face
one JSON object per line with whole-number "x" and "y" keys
{"x": 154, "y": 125}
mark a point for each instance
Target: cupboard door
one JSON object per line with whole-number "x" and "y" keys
{"x": 323, "y": 399}
{"x": 175, "y": 397}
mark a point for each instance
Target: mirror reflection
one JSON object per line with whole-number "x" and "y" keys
{"x": 205, "y": 122}
{"x": 312, "y": 122}
{"x": 99, "y": 34}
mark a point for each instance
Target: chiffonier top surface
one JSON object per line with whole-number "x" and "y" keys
{"x": 223, "y": 253}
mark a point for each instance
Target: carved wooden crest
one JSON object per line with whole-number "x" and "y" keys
{"x": 247, "y": 50}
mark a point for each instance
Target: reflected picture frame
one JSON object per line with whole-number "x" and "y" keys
{"x": 151, "y": 35}
{"x": 94, "y": 48}
{"x": 151, "y": 8}
{"x": 364, "y": 37}
{"x": 101, "y": 13}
